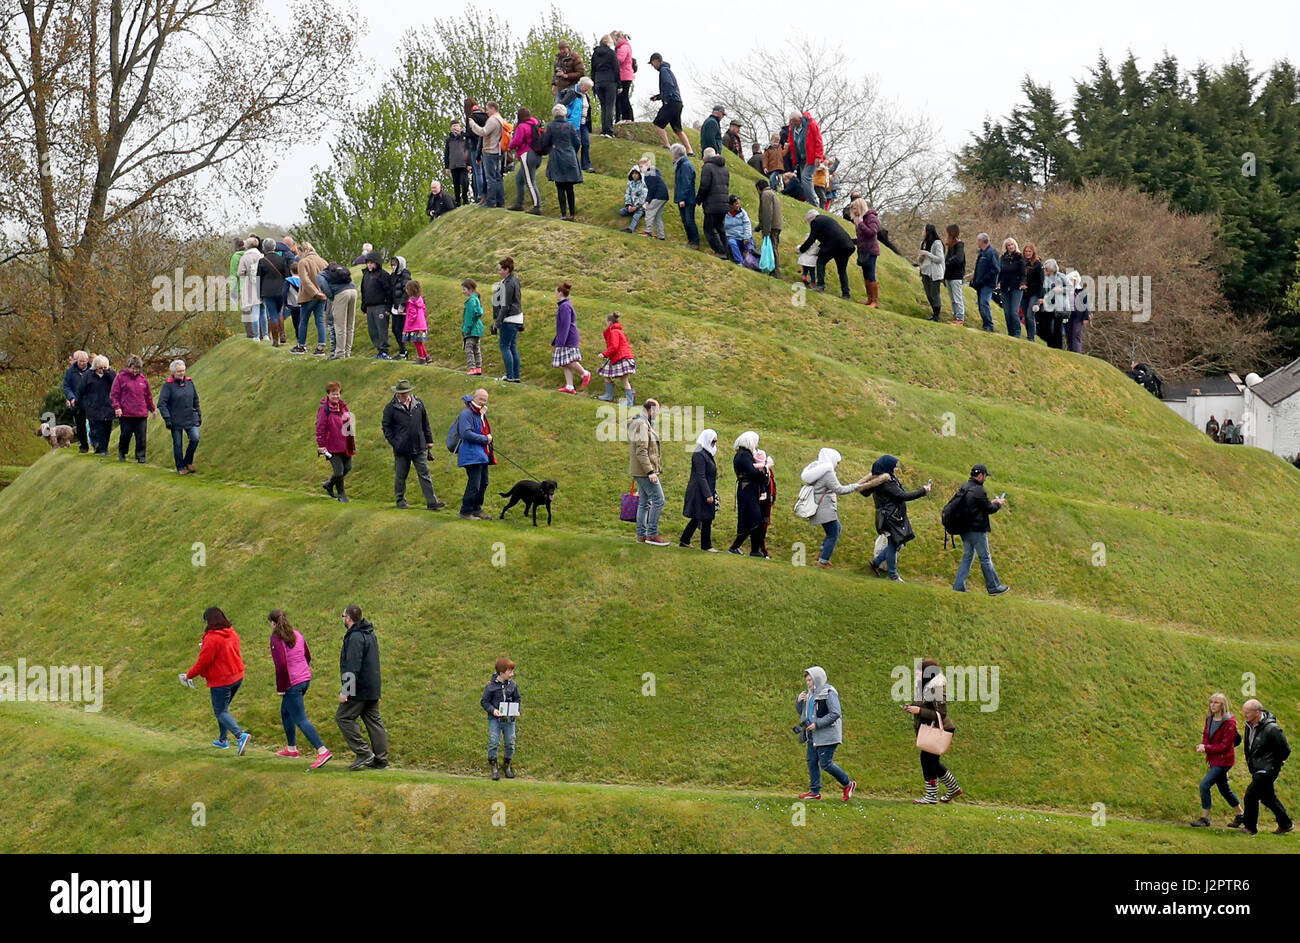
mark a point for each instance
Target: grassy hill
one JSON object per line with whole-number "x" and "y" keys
{"x": 1103, "y": 670}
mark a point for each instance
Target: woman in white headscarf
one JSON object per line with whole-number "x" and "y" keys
{"x": 751, "y": 491}
{"x": 826, "y": 491}
{"x": 701, "y": 503}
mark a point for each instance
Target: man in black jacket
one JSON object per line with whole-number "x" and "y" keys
{"x": 833, "y": 242}
{"x": 359, "y": 694}
{"x": 376, "y": 299}
{"x": 713, "y": 198}
{"x": 406, "y": 427}
{"x": 975, "y": 532}
{"x": 440, "y": 202}
{"x": 78, "y": 367}
{"x": 1266, "y": 750}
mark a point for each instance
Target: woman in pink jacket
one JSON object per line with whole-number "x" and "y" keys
{"x": 626, "y": 72}
{"x": 132, "y": 401}
{"x": 292, "y": 659}
{"x": 336, "y": 438}
{"x": 521, "y": 142}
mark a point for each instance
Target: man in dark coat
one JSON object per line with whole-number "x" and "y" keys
{"x": 711, "y": 130}
{"x": 604, "y": 76}
{"x": 714, "y": 198}
{"x": 833, "y": 242}
{"x": 976, "y": 508}
{"x": 1266, "y": 751}
{"x": 439, "y": 202}
{"x": 359, "y": 692}
{"x": 406, "y": 428}
{"x": 684, "y": 193}
{"x": 376, "y": 299}
{"x": 568, "y": 69}
{"x": 72, "y": 378}
{"x": 1212, "y": 429}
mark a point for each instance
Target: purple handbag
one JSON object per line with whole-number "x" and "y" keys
{"x": 630, "y": 501}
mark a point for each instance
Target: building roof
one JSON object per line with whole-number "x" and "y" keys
{"x": 1281, "y": 384}
{"x": 1225, "y": 385}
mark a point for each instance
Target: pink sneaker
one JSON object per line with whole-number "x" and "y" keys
{"x": 566, "y": 389}
{"x": 321, "y": 759}
{"x": 287, "y": 751}
{"x": 586, "y": 378}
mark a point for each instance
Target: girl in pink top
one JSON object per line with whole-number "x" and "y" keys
{"x": 292, "y": 659}
{"x": 417, "y": 320}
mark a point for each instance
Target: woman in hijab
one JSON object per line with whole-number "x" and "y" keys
{"x": 891, "y": 512}
{"x": 821, "y": 727}
{"x": 701, "y": 504}
{"x": 826, "y": 491}
{"x": 931, "y": 706}
{"x": 751, "y": 492}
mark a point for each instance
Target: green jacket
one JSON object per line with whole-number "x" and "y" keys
{"x": 472, "y": 324}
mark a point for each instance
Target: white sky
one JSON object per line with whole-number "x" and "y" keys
{"x": 957, "y": 61}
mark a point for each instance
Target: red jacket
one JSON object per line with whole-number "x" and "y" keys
{"x": 329, "y": 429}
{"x": 814, "y": 150}
{"x": 616, "y": 346}
{"x": 219, "y": 660}
{"x": 132, "y": 395}
{"x": 1221, "y": 750}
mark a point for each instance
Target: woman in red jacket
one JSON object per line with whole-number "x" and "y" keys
{"x": 1218, "y": 743}
{"x": 335, "y": 438}
{"x": 222, "y": 666}
{"x": 619, "y": 361}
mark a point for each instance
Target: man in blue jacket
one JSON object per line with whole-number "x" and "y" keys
{"x": 474, "y": 453}
{"x": 684, "y": 193}
{"x": 71, "y": 390}
{"x": 670, "y": 103}
{"x": 987, "y": 267}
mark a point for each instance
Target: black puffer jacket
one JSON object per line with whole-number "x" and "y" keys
{"x": 891, "y": 509}
{"x": 1265, "y": 745}
{"x": 407, "y": 428}
{"x": 359, "y": 662}
{"x": 978, "y": 508}
{"x": 94, "y": 394}
{"x": 604, "y": 65}
{"x": 713, "y": 195}
{"x": 831, "y": 238}
{"x": 1012, "y": 275}
{"x": 376, "y": 286}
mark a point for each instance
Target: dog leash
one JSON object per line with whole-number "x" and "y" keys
{"x": 496, "y": 451}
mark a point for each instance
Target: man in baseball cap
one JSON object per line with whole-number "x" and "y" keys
{"x": 711, "y": 129}
{"x": 974, "y": 517}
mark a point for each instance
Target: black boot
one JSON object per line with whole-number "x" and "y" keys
{"x": 329, "y": 488}
{"x": 338, "y": 490}
{"x": 496, "y": 773}
{"x": 510, "y": 773}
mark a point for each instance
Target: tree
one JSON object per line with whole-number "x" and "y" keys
{"x": 892, "y": 157}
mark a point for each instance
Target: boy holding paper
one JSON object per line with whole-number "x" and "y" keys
{"x": 501, "y": 701}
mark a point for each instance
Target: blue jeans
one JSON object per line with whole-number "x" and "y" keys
{"x": 480, "y": 178}
{"x": 688, "y": 223}
{"x": 738, "y": 247}
{"x": 221, "y": 698}
{"x": 509, "y": 343}
{"x": 806, "y": 184}
{"x": 890, "y": 556}
{"x": 184, "y": 456}
{"x": 1217, "y": 776}
{"x": 496, "y": 188}
{"x": 1031, "y": 323}
{"x": 955, "y": 296}
{"x": 832, "y": 529}
{"x": 972, "y": 544}
{"x": 774, "y": 180}
{"x": 260, "y": 311}
{"x": 1011, "y": 310}
{"x": 274, "y": 310}
{"x": 294, "y": 717}
{"x": 823, "y": 758}
{"x": 314, "y": 310}
{"x": 586, "y": 148}
{"x": 649, "y": 505}
{"x": 636, "y": 215}
{"x": 986, "y": 312}
{"x": 868, "y": 264}
{"x": 498, "y": 728}
{"x": 476, "y": 482}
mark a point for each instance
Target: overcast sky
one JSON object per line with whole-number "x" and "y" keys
{"x": 960, "y": 62}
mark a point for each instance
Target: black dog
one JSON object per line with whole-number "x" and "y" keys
{"x": 534, "y": 494}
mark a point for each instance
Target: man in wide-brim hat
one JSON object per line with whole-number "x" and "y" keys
{"x": 406, "y": 427}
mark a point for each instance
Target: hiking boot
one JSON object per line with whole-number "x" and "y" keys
{"x": 402, "y": 505}
{"x": 509, "y": 771}
{"x": 329, "y": 488}
{"x": 361, "y": 762}
{"x": 436, "y": 505}
{"x": 496, "y": 772}
{"x": 1202, "y": 822}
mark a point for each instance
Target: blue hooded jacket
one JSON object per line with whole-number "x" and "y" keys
{"x": 473, "y": 443}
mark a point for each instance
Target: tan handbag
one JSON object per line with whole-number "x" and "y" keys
{"x": 934, "y": 739}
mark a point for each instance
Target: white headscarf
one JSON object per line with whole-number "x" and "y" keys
{"x": 747, "y": 440}
{"x": 708, "y": 440}
{"x": 830, "y": 456}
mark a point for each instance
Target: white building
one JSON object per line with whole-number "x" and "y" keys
{"x": 1223, "y": 397}
{"x": 1272, "y": 410}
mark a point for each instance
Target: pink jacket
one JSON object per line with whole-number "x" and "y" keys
{"x": 132, "y": 395}
{"x": 292, "y": 665}
{"x": 417, "y": 318}
{"x": 521, "y": 142}
{"x": 624, "y": 53}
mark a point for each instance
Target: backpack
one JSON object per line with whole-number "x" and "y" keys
{"x": 804, "y": 505}
{"x": 453, "y": 436}
{"x": 541, "y": 140}
{"x": 955, "y": 517}
{"x": 336, "y": 273}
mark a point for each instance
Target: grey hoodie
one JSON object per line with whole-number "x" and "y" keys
{"x": 826, "y": 711}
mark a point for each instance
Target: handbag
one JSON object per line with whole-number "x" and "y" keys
{"x": 627, "y": 511}
{"x": 881, "y": 542}
{"x": 767, "y": 260}
{"x": 934, "y": 739}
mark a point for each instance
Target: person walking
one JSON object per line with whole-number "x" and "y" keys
{"x": 931, "y": 261}
{"x": 826, "y": 491}
{"x": 714, "y": 199}
{"x": 669, "y": 97}
{"x": 72, "y": 377}
{"x": 891, "y": 513}
{"x": 222, "y": 667}
{"x": 398, "y": 279}
{"x": 604, "y": 76}
{"x": 770, "y": 222}
{"x": 833, "y": 243}
{"x": 985, "y": 279}
{"x": 751, "y": 493}
{"x": 1011, "y": 276}
{"x": 1266, "y": 751}
{"x": 566, "y": 352}
{"x": 291, "y": 657}
{"x": 1219, "y": 740}
{"x": 377, "y": 300}
{"x": 809, "y": 151}
{"x": 95, "y": 395}
{"x": 508, "y": 318}
{"x": 178, "y": 404}
{"x": 931, "y": 707}
{"x": 359, "y": 692}
{"x": 406, "y": 428}
{"x": 700, "y": 504}
{"x": 132, "y": 401}
{"x": 474, "y": 454}
{"x": 656, "y": 198}
{"x": 335, "y": 439}
{"x": 620, "y": 364}
{"x": 973, "y": 522}
{"x": 954, "y": 272}
{"x": 684, "y": 193}
{"x": 645, "y": 466}
{"x": 562, "y": 167}
{"x": 821, "y": 728}
{"x": 866, "y": 227}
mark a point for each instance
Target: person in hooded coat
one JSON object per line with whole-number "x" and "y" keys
{"x": 821, "y": 728}
{"x": 751, "y": 492}
{"x": 701, "y": 503}
{"x": 376, "y": 299}
{"x": 714, "y": 198}
{"x": 826, "y": 491}
{"x": 397, "y": 279}
{"x": 562, "y": 167}
{"x": 891, "y": 512}
{"x": 931, "y": 707}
